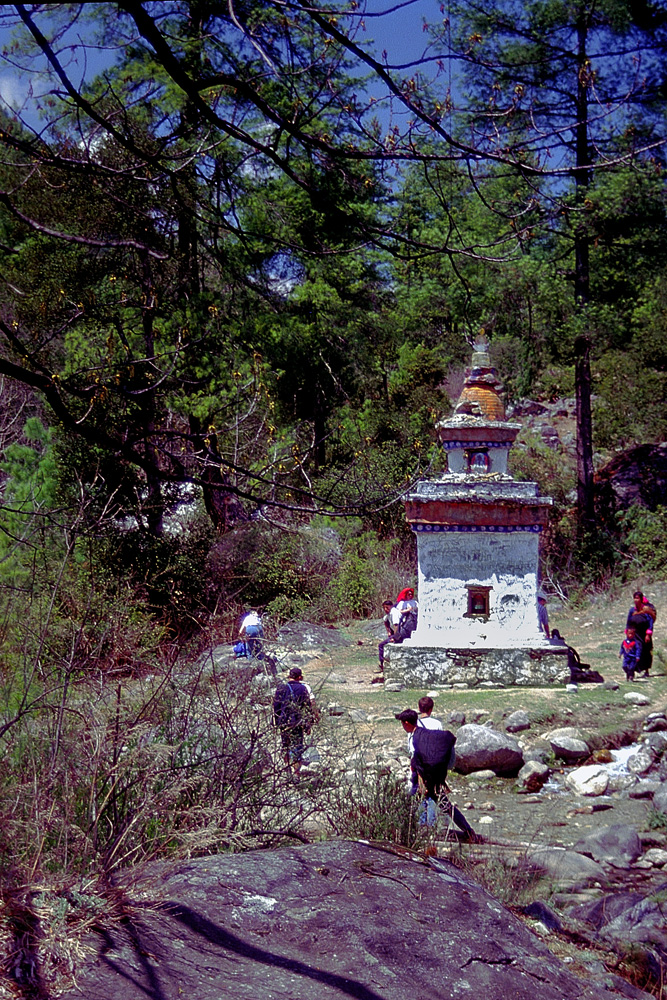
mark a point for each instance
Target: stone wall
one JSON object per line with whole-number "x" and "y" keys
{"x": 428, "y": 666}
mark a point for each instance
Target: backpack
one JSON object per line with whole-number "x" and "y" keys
{"x": 433, "y": 755}
{"x": 290, "y": 703}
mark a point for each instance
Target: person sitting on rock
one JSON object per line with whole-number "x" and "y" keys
{"x": 542, "y": 613}
{"x": 392, "y": 623}
{"x": 408, "y": 609}
{"x": 630, "y": 652}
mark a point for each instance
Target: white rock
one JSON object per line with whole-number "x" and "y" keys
{"x": 636, "y": 698}
{"x": 589, "y": 780}
{"x": 656, "y": 856}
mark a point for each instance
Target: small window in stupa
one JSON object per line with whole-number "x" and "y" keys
{"x": 478, "y": 461}
{"x": 478, "y": 601}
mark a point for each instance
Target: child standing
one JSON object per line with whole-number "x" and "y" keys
{"x": 630, "y": 652}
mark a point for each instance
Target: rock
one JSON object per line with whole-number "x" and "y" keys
{"x": 655, "y": 723}
{"x": 479, "y": 748}
{"x": 644, "y": 789}
{"x": 483, "y": 775}
{"x": 622, "y": 782}
{"x": 336, "y": 679}
{"x": 319, "y": 922}
{"x": 657, "y": 742}
{"x": 457, "y": 718}
{"x": 571, "y": 687}
{"x": 568, "y": 867}
{"x": 308, "y": 636}
{"x": 611, "y": 685}
{"x": 589, "y": 780}
{"x": 636, "y": 698}
{"x": 517, "y": 722}
{"x": 357, "y": 715}
{"x": 569, "y": 749}
{"x": 538, "y": 910}
{"x": 640, "y": 762}
{"x": 618, "y": 844}
{"x": 394, "y": 686}
{"x": 333, "y": 708}
{"x": 657, "y": 856}
{"x": 602, "y": 756}
{"x": 532, "y": 776}
{"x": 433, "y": 694}
{"x": 660, "y": 799}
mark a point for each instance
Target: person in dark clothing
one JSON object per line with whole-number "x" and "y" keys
{"x": 432, "y": 751}
{"x": 294, "y": 711}
{"x": 641, "y": 617}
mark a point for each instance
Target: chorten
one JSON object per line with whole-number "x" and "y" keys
{"x": 478, "y": 533}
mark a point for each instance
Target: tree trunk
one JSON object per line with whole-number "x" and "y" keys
{"x": 582, "y": 347}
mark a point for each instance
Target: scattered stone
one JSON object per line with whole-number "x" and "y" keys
{"x": 533, "y": 776}
{"x": 357, "y": 715}
{"x": 622, "y": 782}
{"x": 636, "y": 698}
{"x": 589, "y": 780}
{"x": 394, "y": 686}
{"x": 571, "y": 687}
{"x": 333, "y": 708}
{"x": 336, "y": 679}
{"x": 618, "y": 844}
{"x": 484, "y": 775}
{"x": 657, "y": 856}
{"x": 517, "y": 722}
{"x": 611, "y": 685}
{"x": 433, "y": 694}
{"x": 479, "y": 748}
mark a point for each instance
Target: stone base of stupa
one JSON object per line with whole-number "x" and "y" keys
{"x": 435, "y": 666}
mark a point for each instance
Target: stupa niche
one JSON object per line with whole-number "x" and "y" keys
{"x": 478, "y": 535}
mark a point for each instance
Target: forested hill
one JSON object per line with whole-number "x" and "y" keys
{"x": 244, "y": 263}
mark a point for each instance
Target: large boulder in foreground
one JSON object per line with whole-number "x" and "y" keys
{"x": 326, "y": 921}
{"x": 479, "y": 748}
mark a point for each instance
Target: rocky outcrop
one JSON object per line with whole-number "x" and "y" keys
{"x": 327, "y": 921}
{"x": 637, "y": 476}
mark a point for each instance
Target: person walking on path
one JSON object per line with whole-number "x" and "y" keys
{"x": 431, "y": 753}
{"x": 294, "y": 711}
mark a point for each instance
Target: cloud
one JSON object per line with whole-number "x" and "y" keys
{"x": 13, "y": 91}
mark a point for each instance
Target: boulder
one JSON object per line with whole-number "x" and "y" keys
{"x": 569, "y": 749}
{"x": 618, "y": 844}
{"x": 532, "y": 776}
{"x": 660, "y": 799}
{"x": 479, "y": 749}
{"x": 319, "y": 922}
{"x": 517, "y": 722}
{"x": 589, "y": 780}
{"x": 640, "y": 762}
{"x": 644, "y": 789}
{"x": 457, "y": 718}
{"x": 657, "y": 856}
{"x": 567, "y": 867}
